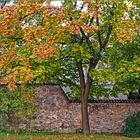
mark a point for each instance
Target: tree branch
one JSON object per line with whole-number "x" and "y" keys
{"x": 107, "y": 37}
{"x": 81, "y": 8}
{"x": 75, "y": 4}
{"x": 2, "y": 6}
{"x": 98, "y": 33}
{"x": 90, "y": 21}
{"x": 82, "y": 77}
{"x": 86, "y": 38}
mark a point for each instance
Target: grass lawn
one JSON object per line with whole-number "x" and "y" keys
{"x": 57, "y": 136}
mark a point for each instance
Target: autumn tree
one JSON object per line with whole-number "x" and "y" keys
{"x": 28, "y": 32}
{"x": 94, "y": 28}
{"x": 66, "y": 44}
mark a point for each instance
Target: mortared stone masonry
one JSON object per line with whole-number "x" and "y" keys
{"x": 56, "y": 113}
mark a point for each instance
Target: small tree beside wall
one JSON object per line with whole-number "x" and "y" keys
{"x": 15, "y": 106}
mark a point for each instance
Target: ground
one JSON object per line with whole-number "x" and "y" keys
{"x": 58, "y": 136}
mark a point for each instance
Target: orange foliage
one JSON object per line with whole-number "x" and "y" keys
{"x": 28, "y": 31}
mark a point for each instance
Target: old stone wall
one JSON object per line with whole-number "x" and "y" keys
{"x": 56, "y": 113}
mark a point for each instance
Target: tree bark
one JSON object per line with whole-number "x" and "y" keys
{"x": 85, "y": 90}
{"x": 84, "y": 106}
{"x": 85, "y": 116}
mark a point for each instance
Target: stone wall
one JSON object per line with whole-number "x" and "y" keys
{"x": 56, "y": 113}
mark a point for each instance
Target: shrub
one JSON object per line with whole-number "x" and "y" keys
{"x": 14, "y": 106}
{"x": 131, "y": 127}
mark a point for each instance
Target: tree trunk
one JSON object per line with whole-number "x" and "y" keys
{"x": 85, "y": 89}
{"x": 85, "y": 116}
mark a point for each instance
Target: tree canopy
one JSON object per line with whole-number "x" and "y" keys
{"x": 82, "y": 44}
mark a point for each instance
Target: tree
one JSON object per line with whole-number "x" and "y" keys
{"x": 119, "y": 71}
{"x": 63, "y": 44}
{"x": 28, "y": 37}
{"x": 125, "y": 68}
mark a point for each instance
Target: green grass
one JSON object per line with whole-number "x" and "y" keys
{"x": 59, "y": 136}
